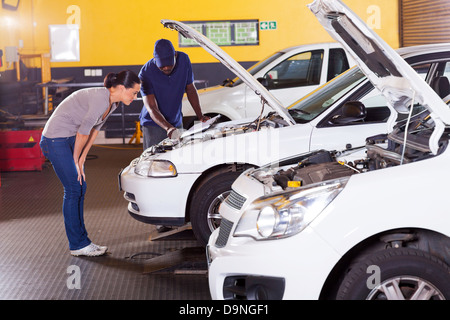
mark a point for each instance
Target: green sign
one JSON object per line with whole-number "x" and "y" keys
{"x": 267, "y": 25}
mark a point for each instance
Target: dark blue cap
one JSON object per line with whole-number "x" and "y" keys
{"x": 164, "y": 53}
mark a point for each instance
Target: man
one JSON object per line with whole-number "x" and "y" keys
{"x": 165, "y": 78}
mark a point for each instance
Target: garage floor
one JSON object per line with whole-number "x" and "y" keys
{"x": 34, "y": 259}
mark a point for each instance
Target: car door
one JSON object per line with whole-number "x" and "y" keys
{"x": 331, "y": 136}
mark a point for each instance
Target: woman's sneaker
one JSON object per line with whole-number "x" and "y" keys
{"x": 91, "y": 250}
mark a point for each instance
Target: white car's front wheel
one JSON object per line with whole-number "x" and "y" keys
{"x": 397, "y": 274}
{"x": 204, "y": 209}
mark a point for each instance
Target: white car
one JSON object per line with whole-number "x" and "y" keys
{"x": 182, "y": 181}
{"x": 288, "y": 74}
{"x": 377, "y": 228}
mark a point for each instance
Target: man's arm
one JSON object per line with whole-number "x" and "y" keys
{"x": 152, "y": 107}
{"x": 192, "y": 96}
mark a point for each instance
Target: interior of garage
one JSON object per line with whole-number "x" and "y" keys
{"x": 139, "y": 266}
{"x": 113, "y": 36}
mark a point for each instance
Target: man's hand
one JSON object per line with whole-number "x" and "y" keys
{"x": 173, "y": 133}
{"x": 204, "y": 118}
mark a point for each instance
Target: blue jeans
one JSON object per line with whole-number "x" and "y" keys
{"x": 60, "y": 153}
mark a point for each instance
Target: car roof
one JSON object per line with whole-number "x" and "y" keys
{"x": 308, "y": 46}
{"x": 423, "y": 49}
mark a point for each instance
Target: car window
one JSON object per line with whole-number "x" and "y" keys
{"x": 302, "y": 69}
{"x": 446, "y": 97}
{"x": 337, "y": 63}
{"x": 422, "y": 69}
{"x": 256, "y": 67}
{"x": 308, "y": 108}
{"x": 375, "y": 103}
{"x": 440, "y": 82}
{"x": 447, "y": 70}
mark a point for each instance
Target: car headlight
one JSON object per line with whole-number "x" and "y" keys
{"x": 288, "y": 213}
{"x": 155, "y": 168}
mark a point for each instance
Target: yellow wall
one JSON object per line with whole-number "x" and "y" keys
{"x": 121, "y": 32}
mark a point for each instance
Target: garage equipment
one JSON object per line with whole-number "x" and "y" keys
{"x": 137, "y": 134}
{"x": 20, "y": 150}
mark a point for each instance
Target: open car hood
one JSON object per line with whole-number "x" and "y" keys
{"x": 387, "y": 71}
{"x": 231, "y": 64}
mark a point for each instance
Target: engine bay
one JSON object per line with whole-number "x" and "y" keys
{"x": 218, "y": 130}
{"x": 382, "y": 151}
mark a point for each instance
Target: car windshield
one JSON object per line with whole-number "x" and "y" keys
{"x": 306, "y": 109}
{"x": 254, "y": 69}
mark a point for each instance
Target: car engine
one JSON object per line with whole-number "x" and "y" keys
{"x": 382, "y": 151}
{"x": 219, "y": 130}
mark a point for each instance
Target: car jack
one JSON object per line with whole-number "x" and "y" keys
{"x": 175, "y": 232}
{"x": 185, "y": 261}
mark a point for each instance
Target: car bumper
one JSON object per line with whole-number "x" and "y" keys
{"x": 249, "y": 269}
{"x": 156, "y": 200}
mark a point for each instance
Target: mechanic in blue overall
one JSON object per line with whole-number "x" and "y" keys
{"x": 165, "y": 78}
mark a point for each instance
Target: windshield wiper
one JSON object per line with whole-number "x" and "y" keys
{"x": 297, "y": 111}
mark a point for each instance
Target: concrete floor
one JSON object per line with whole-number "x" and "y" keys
{"x": 35, "y": 263}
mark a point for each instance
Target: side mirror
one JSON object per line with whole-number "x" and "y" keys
{"x": 351, "y": 111}
{"x": 263, "y": 81}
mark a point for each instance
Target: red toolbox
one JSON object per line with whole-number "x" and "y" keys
{"x": 20, "y": 150}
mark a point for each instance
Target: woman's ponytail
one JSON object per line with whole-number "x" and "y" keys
{"x": 110, "y": 80}
{"x": 126, "y": 78}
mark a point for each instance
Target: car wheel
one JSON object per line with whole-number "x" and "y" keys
{"x": 204, "y": 210}
{"x": 397, "y": 274}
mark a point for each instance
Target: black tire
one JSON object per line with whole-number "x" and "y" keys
{"x": 402, "y": 272}
{"x": 205, "y": 203}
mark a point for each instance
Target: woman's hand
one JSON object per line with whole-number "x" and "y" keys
{"x": 80, "y": 170}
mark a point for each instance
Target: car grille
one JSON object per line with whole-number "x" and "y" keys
{"x": 248, "y": 287}
{"x": 134, "y": 206}
{"x": 224, "y": 233}
{"x": 235, "y": 200}
{"x": 130, "y": 196}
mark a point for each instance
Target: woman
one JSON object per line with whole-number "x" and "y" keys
{"x": 67, "y": 137}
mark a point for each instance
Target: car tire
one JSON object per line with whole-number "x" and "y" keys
{"x": 205, "y": 203}
{"x": 403, "y": 273}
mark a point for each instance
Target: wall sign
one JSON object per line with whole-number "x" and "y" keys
{"x": 267, "y": 25}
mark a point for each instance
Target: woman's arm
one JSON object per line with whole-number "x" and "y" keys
{"x": 83, "y": 144}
